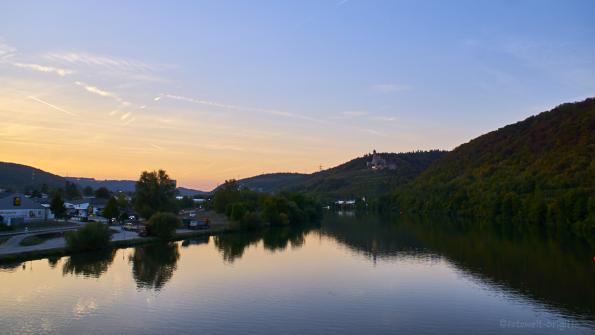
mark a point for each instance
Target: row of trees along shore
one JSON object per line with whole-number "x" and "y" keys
{"x": 154, "y": 200}
{"x": 253, "y": 210}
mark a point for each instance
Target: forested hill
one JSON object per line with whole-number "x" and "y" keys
{"x": 354, "y": 179}
{"x": 272, "y": 182}
{"x": 539, "y": 170}
{"x": 18, "y": 177}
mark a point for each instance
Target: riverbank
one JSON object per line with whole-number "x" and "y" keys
{"x": 12, "y": 251}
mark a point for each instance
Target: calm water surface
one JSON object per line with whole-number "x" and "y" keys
{"x": 348, "y": 275}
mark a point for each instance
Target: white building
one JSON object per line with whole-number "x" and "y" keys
{"x": 17, "y": 208}
{"x": 85, "y": 207}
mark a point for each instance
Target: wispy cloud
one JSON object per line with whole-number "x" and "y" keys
{"x": 389, "y": 88}
{"x": 98, "y": 91}
{"x": 52, "y": 106}
{"x": 122, "y": 104}
{"x": 156, "y": 146}
{"x": 385, "y": 118}
{"x": 237, "y": 108}
{"x": 6, "y": 51}
{"x": 100, "y": 61}
{"x": 354, "y": 113}
{"x": 43, "y": 68}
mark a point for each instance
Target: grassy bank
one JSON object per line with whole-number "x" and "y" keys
{"x": 63, "y": 251}
{"x": 39, "y": 239}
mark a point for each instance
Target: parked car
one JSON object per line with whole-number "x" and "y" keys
{"x": 199, "y": 224}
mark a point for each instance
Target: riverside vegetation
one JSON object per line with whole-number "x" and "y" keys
{"x": 251, "y": 210}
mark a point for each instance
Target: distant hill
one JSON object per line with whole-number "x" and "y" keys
{"x": 539, "y": 170}
{"x": 272, "y": 182}
{"x": 123, "y": 185}
{"x": 352, "y": 179}
{"x": 112, "y": 185}
{"x": 21, "y": 178}
{"x": 188, "y": 192}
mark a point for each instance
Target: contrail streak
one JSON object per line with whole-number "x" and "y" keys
{"x": 52, "y": 106}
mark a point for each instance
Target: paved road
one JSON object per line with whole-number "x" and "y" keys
{"x": 40, "y": 231}
{"x": 12, "y": 246}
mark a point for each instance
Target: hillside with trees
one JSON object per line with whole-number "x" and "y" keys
{"x": 23, "y": 178}
{"x": 540, "y": 170}
{"x": 354, "y": 179}
{"x": 272, "y": 182}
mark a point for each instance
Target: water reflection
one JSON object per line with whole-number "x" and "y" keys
{"x": 53, "y": 261}
{"x": 196, "y": 241}
{"x": 232, "y": 246}
{"x": 153, "y": 265}
{"x": 551, "y": 267}
{"x": 88, "y": 264}
{"x": 10, "y": 267}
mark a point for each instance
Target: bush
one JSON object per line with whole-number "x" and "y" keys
{"x": 93, "y": 236}
{"x": 251, "y": 221}
{"x": 4, "y": 227}
{"x": 163, "y": 225}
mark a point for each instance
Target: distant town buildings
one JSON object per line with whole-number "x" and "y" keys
{"x": 85, "y": 208}
{"x": 16, "y": 208}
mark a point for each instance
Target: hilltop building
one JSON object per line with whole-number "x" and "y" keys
{"x": 379, "y": 163}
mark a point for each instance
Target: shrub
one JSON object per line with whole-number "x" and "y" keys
{"x": 4, "y": 227}
{"x": 93, "y": 236}
{"x": 251, "y": 221}
{"x": 238, "y": 211}
{"x": 163, "y": 225}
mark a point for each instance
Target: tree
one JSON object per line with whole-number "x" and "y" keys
{"x": 163, "y": 225}
{"x": 71, "y": 191}
{"x": 88, "y": 191}
{"x": 111, "y": 209}
{"x": 155, "y": 192}
{"x": 122, "y": 201}
{"x": 185, "y": 202}
{"x": 226, "y": 194}
{"x": 57, "y": 206}
{"x": 102, "y": 193}
{"x": 93, "y": 236}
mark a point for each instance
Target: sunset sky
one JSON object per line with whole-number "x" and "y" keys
{"x": 215, "y": 90}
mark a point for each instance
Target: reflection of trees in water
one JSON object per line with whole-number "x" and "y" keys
{"x": 232, "y": 246}
{"x": 277, "y": 239}
{"x": 88, "y": 264}
{"x": 196, "y": 241}
{"x": 53, "y": 261}
{"x": 153, "y": 265}
{"x": 375, "y": 237}
{"x": 9, "y": 267}
{"x": 550, "y": 267}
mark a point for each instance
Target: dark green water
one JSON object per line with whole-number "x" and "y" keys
{"x": 347, "y": 275}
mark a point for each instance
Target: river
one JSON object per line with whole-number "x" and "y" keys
{"x": 349, "y": 274}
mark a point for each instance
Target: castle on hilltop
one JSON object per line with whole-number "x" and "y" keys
{"x": 378, "y": 163}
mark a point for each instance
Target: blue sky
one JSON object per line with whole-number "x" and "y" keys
{"x": 215, "y": 90}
